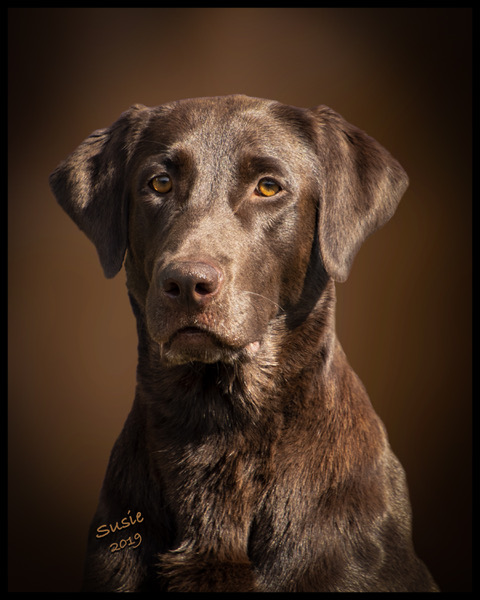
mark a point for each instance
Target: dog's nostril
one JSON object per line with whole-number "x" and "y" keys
{"x": 202, "y": 289}
{"x": 171, "y": 288}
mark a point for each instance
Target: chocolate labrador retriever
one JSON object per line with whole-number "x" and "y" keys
{"x": 252, "y": 459}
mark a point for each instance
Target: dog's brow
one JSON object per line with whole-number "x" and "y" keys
{"x": 171, "y": 158}
{"x": 254, "y": 165}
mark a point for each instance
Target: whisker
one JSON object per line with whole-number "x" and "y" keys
{"x": 265, "y": 298}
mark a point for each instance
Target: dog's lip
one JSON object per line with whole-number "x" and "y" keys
{"x": 253, "y": 347}
{"x": 192, "y": 333}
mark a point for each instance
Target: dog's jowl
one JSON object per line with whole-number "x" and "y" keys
{"x": 252, "y": 459}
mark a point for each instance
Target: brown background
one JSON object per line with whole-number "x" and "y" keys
{"x": 404, "y": 315}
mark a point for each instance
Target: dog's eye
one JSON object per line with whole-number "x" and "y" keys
{"x": 161, "y": 184}
{"x": 267, "y": 187}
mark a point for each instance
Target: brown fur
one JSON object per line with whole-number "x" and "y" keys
{"x": 252, "y": 451}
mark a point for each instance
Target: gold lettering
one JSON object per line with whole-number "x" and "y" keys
{"x": 102, "y": 531}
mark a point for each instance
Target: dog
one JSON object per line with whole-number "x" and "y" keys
{"x": 252, "y": 459}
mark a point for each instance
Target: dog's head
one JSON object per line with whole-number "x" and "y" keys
{"x": 222, "y": 204}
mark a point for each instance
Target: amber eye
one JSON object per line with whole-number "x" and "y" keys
{"x": 267, "y": 187}
{"x": 161, "y": 184}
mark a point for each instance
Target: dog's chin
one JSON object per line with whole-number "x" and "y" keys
{"x": 192, "y": 344}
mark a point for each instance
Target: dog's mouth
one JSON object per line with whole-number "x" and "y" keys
{"x": 193, "y": 336}
{"x": 197, "y": 344}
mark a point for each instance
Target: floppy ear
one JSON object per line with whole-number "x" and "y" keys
{"x": 90, "y": 185}
{"x": 361, "y": 186}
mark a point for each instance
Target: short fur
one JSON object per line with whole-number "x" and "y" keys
{"x": 252, "y": 453}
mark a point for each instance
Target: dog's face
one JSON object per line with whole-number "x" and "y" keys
{"x": 222, "y": 202}
{"x": 221, "y": 224}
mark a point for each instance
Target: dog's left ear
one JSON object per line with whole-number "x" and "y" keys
{"x": 361, "y": 185}
{"x": 90, "y": 185}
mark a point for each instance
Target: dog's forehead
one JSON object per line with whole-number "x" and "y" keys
{"x": 225, "y": 126}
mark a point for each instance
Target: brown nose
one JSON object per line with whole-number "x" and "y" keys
{"x": 190, "y": 284}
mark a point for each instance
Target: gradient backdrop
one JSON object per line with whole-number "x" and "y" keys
{"x": 404, "y": 315}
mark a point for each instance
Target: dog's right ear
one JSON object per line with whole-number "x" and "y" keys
{"x": 90, "y": 186}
